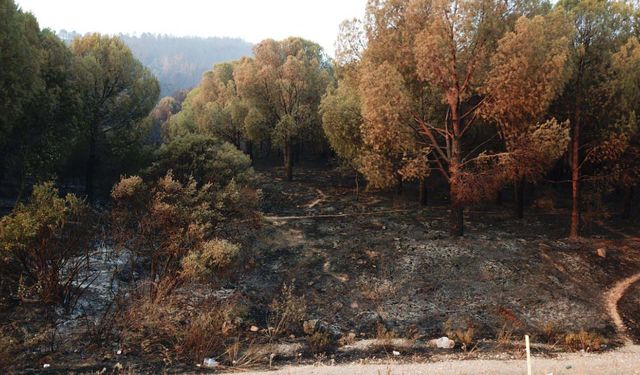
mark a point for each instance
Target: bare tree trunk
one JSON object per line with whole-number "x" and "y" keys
{"x": 457, "y": 210}
{"x": 357, "y": 187}
{"x": 399, "y": 185}
{"x": 520, "y": 186}
{"x": 91, "y": 166}
{"x": 456, "y": 218}
{"x": 575, "y": 178}
{"x": 288, "y": 160}
{"x": 423, "y": 197}
{"x": 628, "y": 202}
{"x": 249, "y": 146}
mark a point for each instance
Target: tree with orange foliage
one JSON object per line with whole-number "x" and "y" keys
{"x": 528, "y": 71}
{"x": 426, "y": 73}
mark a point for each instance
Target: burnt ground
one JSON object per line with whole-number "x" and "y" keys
{"x": 382, "y": 261}
{"x": 388, "y": 261}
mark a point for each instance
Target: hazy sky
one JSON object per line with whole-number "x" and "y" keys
{"x": 252, "y": 20}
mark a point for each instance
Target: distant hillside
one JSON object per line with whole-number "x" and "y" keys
{"x": 179, "y": 62}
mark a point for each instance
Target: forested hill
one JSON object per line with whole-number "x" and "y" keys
{"x": 179, "y": 62}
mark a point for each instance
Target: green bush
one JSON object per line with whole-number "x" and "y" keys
{"x": 205, "y": 158}
{"x": 41, "y": 243}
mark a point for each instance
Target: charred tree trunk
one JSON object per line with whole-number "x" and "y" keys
{"x": 91, "y": 168}
{"x": 288, "y": 160}
{"x": 357, "y": 186}
{"x": 423, "y": 193}
{"x": 456, "y": 217}
{"x": 249, "y": 147}
{"x": 575, "y": 178}
{"x": 457, "y": 210}
{"x": 628, "y": 202}
{"x": 520, "y": 186}
{"x": 399, "y": 185}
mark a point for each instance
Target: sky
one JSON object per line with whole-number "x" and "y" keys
{"x": 252, "y": 20}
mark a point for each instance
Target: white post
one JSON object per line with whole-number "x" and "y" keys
{"x": 526, "y": 340}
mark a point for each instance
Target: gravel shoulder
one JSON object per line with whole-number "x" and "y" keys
{"x": 625, "y": 360}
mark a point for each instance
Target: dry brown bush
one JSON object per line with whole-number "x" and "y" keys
{"x": 171, "y": 228}
{"x": 170, "y": 327}
{"x": 583, "y": 340}
{"x": 320, "y": 342}
{"x": 384, "y": 337}
{"x": 462, "y": 331}
{"x": 287, "y": 312}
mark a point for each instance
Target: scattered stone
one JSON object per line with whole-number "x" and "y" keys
{"x": 46, "y": 365}
{"x": 253, "y": 329}
{"x": 210, "y": 363}
{"x": 314, "y": 325}
{"x": 441, "y": 343}
{"x": 602, "y": 252}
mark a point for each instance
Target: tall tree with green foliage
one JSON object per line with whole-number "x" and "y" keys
{"x": 117, "y": 92}
{"x": 285, "y": 82}
{"x": 38, "y": 99}
{"x": 20, "y": 79}
{"x": 600, "y": 27}
{"x": 214, "y": 108}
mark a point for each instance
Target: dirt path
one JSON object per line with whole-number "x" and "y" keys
{"x": 611, "y": 302}
{"x": 620, "y": 362}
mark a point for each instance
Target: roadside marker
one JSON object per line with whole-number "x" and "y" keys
{"x": 526, "y": 340}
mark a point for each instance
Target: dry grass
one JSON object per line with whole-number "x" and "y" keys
{"x": 151, "y": 326}
{"x": 504, "y": 336}
{"x": 384, "y": 337}
{"x": 376, "y": 290}
{"x": 287, "y": 312}
{"x": 321, "y": 342}
{"x": 550, "y": 332}
{"x": 583, "y": 340}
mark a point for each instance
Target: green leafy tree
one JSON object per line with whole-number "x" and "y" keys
{"x": 214, "y": 108}
{"x": 341, "y": 122}
{"x": 117, "y": 93}
{"x": 20, "y": 74}
{"x": 285, "y": 82}
{"x": 600, "y": 27}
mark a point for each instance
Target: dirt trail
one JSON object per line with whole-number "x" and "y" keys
{"x": 611, "y": 302}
